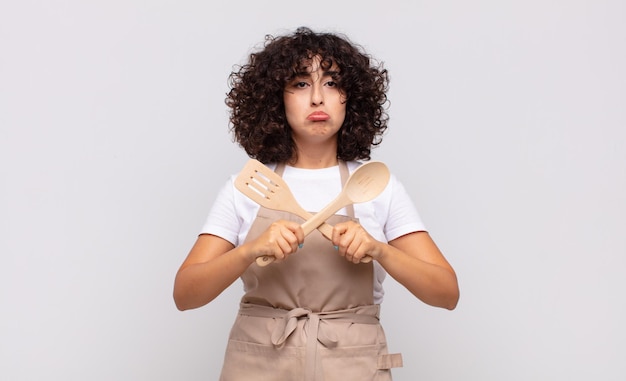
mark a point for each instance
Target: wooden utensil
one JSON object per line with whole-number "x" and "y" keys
{"x": 364, "y": 184}
{"x": 268, "y": 189}
{"x": 262, "y": 185}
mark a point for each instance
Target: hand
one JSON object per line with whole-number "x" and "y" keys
{"x": 280, "y": 240}
{"x": 353, "y": 242}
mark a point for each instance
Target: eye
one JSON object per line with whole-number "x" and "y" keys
{"x": 331, "y": 84}
{"x": 300, "y": 85}
{"x": 297, "y": 84}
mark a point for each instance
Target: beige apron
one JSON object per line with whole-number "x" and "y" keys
{"x": 310, "y": 318}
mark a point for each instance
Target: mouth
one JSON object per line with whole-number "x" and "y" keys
{"x": 318, "y": 116}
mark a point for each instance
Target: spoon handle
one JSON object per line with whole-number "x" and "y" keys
{"x": 319, "y": 218}
{"x": 314, "y": 222}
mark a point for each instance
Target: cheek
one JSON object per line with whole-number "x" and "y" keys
{"x": 293, "y": 104}
{"x": 289, "y": 109}
{"x": 341, "y": 110}
{"x": 290, "y": 120}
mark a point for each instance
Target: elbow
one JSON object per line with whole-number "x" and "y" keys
{"x": 181, "y": 302}
{"x": 447, "y": 300}
{"x": 182, "y": 294}
{"x": 453, "y": 299}
{"x": 453, "y": 294}
{"x": 447, "y": 297}
{"x": 452, "y": 303}
{"x": 179, "y": 306}
{"x": 186, "y": 300}
{"x": 183, "y": 306}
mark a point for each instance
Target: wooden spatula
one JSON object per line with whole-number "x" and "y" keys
{"x": 268, "y": 189}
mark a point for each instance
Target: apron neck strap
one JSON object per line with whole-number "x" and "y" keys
{"x": 280, "y": 169}
{"x": 344, "y": 173}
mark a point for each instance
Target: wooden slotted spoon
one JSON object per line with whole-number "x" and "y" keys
{"x": 268, "y": 189}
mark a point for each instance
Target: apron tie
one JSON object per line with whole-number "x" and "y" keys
{"x": 287, "y": 323}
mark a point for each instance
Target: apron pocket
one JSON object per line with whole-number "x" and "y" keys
{"x": 358, "y": 363}
{"x": 258, "y": 362}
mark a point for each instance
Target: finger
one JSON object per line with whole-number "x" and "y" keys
{"x": 358, "y": 255}
{"x": 338, "y": 231}
{"x": 278, "y": 251}
{"x": 357, "y": 248}
{"x": 297, "y": 234}
{"x": 351, "y": 250}
{"x": 289, "y": 239}
{"x": 346, "y": 241}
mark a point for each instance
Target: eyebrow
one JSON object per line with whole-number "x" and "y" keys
{"x": 326, "y": 73}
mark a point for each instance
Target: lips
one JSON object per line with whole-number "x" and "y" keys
{"x": 318, "y": 116}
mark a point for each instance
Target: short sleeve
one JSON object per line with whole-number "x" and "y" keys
{"x": 222, "y": 220}
{"x": 403, "y": 217}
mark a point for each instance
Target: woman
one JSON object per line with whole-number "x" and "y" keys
{"x": 311, "y": 106}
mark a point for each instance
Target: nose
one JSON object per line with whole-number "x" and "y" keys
{"x": 317, "y": 96}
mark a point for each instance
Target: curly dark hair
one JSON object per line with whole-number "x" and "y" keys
{"x": 257, "y": 118}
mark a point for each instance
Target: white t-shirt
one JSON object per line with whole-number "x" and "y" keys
{"x": 390, "y": 215}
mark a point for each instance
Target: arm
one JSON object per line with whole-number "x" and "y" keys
{"x": 414, "y": 260}
{"x": 213, "y": 263}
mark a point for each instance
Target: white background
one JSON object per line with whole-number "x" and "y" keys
{"x": 508, "y": 126}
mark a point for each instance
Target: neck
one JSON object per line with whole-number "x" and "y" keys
{"x": 315, "y": 159}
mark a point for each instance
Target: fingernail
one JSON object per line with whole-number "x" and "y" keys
{"x": 336, "y": 247}
{"x": 300, "y": 245}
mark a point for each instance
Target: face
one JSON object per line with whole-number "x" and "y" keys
{"x": 314, "y": 105}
